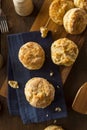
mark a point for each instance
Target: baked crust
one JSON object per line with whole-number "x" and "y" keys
{"x": 75, "y": 21}
{"x": 58, "y": 8}
{"x": 39, "y": 92}
{"x": 31, "y": 55}
{"x": 64, "y": 52}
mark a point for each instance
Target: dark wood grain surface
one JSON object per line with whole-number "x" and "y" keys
{"x": 76, "y": 78}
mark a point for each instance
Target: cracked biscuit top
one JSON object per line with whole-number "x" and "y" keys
{"x": 64, "y": 52}
{"x": 75, "y": 21}
{"x": 31, "y": 55}
{"x": 58, "y": 8}
{"x": 81, "y": 4}
{"x": 39, "y": 92}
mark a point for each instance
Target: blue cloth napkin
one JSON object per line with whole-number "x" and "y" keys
{"x": 17, "y": 103}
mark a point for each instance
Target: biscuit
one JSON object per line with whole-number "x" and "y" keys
{"x": 75, "y": 21}
{"x": 39, "y": 92}
{"x": 58, "y": 8}
{"x": 64, "y": 52}
{"x": 31, "y": 55}
{"x": 54, "y": 127}
{"x": 81, "y": 4}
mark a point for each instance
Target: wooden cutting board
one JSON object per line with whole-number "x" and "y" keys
{"x": 58, "y": 32}
{"x": 80, "y": 101}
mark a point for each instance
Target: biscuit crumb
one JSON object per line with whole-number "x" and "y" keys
{"x": 13, "y": 84}
{"x": 55, "y": 30}
{"x": 58, "y": 86}
{"x": 58, "y": 109}
{"x": 44, "y": 31}
{"x": 46, "y": 115}
{"x": 55, "y": 121}
{"x": 51, "y": 73}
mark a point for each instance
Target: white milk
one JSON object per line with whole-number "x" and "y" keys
{"x": 23, "y": 7}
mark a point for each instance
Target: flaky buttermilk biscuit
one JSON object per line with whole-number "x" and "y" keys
{"x": 81, "y": 4}
{"x": 31, "y": 55}
{"x": 39, "y": 92}
{"x": 75, "y": 21}
{"x": 58, "y": 8}
{"x": 64, "y": 52}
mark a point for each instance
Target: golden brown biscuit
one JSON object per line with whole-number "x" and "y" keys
{"x": 81, "y": 4}
{"x": 39, "y": 92}
{"x": 58, "y": 8}
{"x": 64, "y": 52}
{"x": 75, "y": 21}
{"x": 31, "y": 55}
{"x": 54, "y": 127}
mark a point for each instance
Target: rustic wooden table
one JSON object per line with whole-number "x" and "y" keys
{"x": 76, "y": 78}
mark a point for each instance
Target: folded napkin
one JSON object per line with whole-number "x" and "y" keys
{"x": 17, "y": 102}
